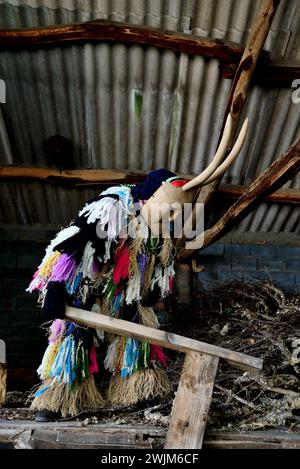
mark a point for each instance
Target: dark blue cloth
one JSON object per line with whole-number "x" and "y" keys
{"x": 151, "y": 183}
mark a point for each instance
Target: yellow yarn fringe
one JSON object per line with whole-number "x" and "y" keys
{"x": 148, "y": 317}
{"x": 51, "y": 356}
{"x": 61, "y": 397}
{"x": 46, "y": 268}
{"x": 142, "y": 385}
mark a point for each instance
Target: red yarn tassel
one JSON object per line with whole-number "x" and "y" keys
{"x": 157, "y": 354}
{"x": 122, "y": 261}
{"x": 93, "y": 366}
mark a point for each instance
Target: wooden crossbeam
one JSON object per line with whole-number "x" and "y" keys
{"x": 70, "y": 176}
{"x": 113, "y": 31}
{"x": 269, "y": 73}
{"x": 156, "y": 336}
{"x": 89, "y": 177}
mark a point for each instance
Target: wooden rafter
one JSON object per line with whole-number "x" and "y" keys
{"x": 90, "y": 177}
{"x": 228, "y": 53}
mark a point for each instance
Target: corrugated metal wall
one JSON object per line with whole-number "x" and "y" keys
{"x": 139, "y": 108}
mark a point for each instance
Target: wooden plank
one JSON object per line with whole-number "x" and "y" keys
{"x": 275, "y": 176}
{"x": 108, "y": 435}
{"x": 192, "y": 402}
{"x": 165, "y": 339}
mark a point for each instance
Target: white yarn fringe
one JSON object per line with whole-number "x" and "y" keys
{"x": 162, "y": 278}
{"x": 133, "y": 292}
{"x": 61, "y": 236}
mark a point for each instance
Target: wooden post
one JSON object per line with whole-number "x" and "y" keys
{"x": 192, "y": 402}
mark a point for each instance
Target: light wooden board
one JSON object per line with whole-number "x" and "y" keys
{"x": 158, "y": 337}
{"x": 192, "y": 402}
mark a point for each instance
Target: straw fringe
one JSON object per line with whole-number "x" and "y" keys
{"x": 148, "y": 317}
{"x": 142, "y": 385}
{"x": 166, "y": 252}
{"x": 68, "y": 400}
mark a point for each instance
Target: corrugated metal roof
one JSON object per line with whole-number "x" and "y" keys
{"x": 140, "y": 108}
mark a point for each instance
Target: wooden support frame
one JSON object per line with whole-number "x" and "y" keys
{"x": 192, "y": 402}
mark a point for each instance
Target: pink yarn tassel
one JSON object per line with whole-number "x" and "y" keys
{"x": 157, "y": 354}
{"x": 37, "y": 283}
{"x": 93, "y": 367}
{"x": 122, "y": 260}
{"x": 57, "y": 329}
{"x": 64, "y": 269}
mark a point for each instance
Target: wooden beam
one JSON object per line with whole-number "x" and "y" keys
{"x": 88, "y": 177}
{"x": 192, "y": 402}
{"x": 74, "y": 176}
{"x": 282, "y": 196}
{"x": 269, "y": 73}
{"x": 73, "y": 435}
{"x": 275, "y": 176}
{"x": 108, "y": 31}
{"x": 165, "y": 339}
{"x": 277, "y": 74}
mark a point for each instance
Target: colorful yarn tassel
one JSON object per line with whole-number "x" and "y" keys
{"x": 122, "y": 261}
{"x": 64, "y": 268}
{"x": 157, "y": 354}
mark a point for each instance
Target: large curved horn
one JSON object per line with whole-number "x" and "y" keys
{"x": 217, "y": 159}
{"x": 232, "y": 155}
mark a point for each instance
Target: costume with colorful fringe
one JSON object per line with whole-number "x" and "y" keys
{"x": 92, "y": 265}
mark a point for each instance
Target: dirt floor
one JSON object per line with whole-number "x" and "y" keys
{"x": 257, "y": 319}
